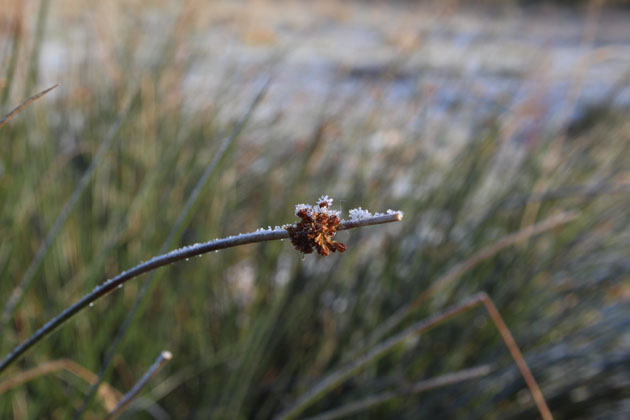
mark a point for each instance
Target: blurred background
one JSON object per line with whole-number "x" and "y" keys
{"x": 479, "y": 120}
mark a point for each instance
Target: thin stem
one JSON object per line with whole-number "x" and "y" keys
{"x": 509, "y": 341}
{"x": 40, "y": 29}
{"x": 369, "y": 221}
{"x": 167, "y": 259}
{"x": 416, "y": 388}
{"x": 24, "y": 104}
{"x": 153, "y": 370}
{"x": 17, "y": 29}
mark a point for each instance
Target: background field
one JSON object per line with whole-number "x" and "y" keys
{"x": 476, "y": 120}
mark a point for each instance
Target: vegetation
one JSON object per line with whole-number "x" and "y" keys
{"x": 106, "y": 172}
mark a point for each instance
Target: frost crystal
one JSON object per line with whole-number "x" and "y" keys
{"x": 330, "y": 212}
{"x": 300, "y": 207}
{"x": 325, "y": 199}
{"x": 359, "y": 214}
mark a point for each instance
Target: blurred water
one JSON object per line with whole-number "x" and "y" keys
{"x": 409, "y": 62}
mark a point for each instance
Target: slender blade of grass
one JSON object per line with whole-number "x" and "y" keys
{"x": 24, "y": 104}
{"x": 416, "y": 388}
{"x": 40, "y": 29}
{"x": 153, "y": 370}
{"x": 13, "y": 59}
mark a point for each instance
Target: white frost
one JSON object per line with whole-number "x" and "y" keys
{"x": 355, "y": 214}
{"x": 306, "y": 207}
{"x": 359, "y": 214}
{"x": 325, "y": 199}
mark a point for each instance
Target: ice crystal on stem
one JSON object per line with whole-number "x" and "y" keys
{"x": 359, "y": 214}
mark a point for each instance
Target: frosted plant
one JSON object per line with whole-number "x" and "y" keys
{"x": 320, "y": 223}
{"x": 314, "y": 231}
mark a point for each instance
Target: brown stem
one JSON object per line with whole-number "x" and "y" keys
{"x": 24, "y": 104}
{"x": 509, "y": 341}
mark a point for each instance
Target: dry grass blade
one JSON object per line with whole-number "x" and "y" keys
{"x": 24, "y": 104}
{"x": 416, "y": 388}
{"x": 509, "y": 341}
{"x": 108, "y": 395}
{"x": 153, "y": 370}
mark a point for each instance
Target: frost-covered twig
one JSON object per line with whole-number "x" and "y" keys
{"x": 190, "y": 251}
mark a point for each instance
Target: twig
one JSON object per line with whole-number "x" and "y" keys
{"x": 369, "y": 221}
{"x": 336, "y": 378}
{"x": 509, "y": 341}
{"x": 416, "y": 388}
{"x": 24, "y": 104}
{"x": 166, "y": 259}
{"x": 153, "y": 370}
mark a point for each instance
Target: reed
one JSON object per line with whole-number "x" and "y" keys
{"x": 131, "y": 158}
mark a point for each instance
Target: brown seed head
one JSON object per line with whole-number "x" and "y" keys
{"x": 315, "y": 230}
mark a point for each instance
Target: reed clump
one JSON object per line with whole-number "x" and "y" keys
{"x": 116, "y": 166}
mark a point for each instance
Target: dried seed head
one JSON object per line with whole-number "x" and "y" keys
{"x": 316, "y": 228}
